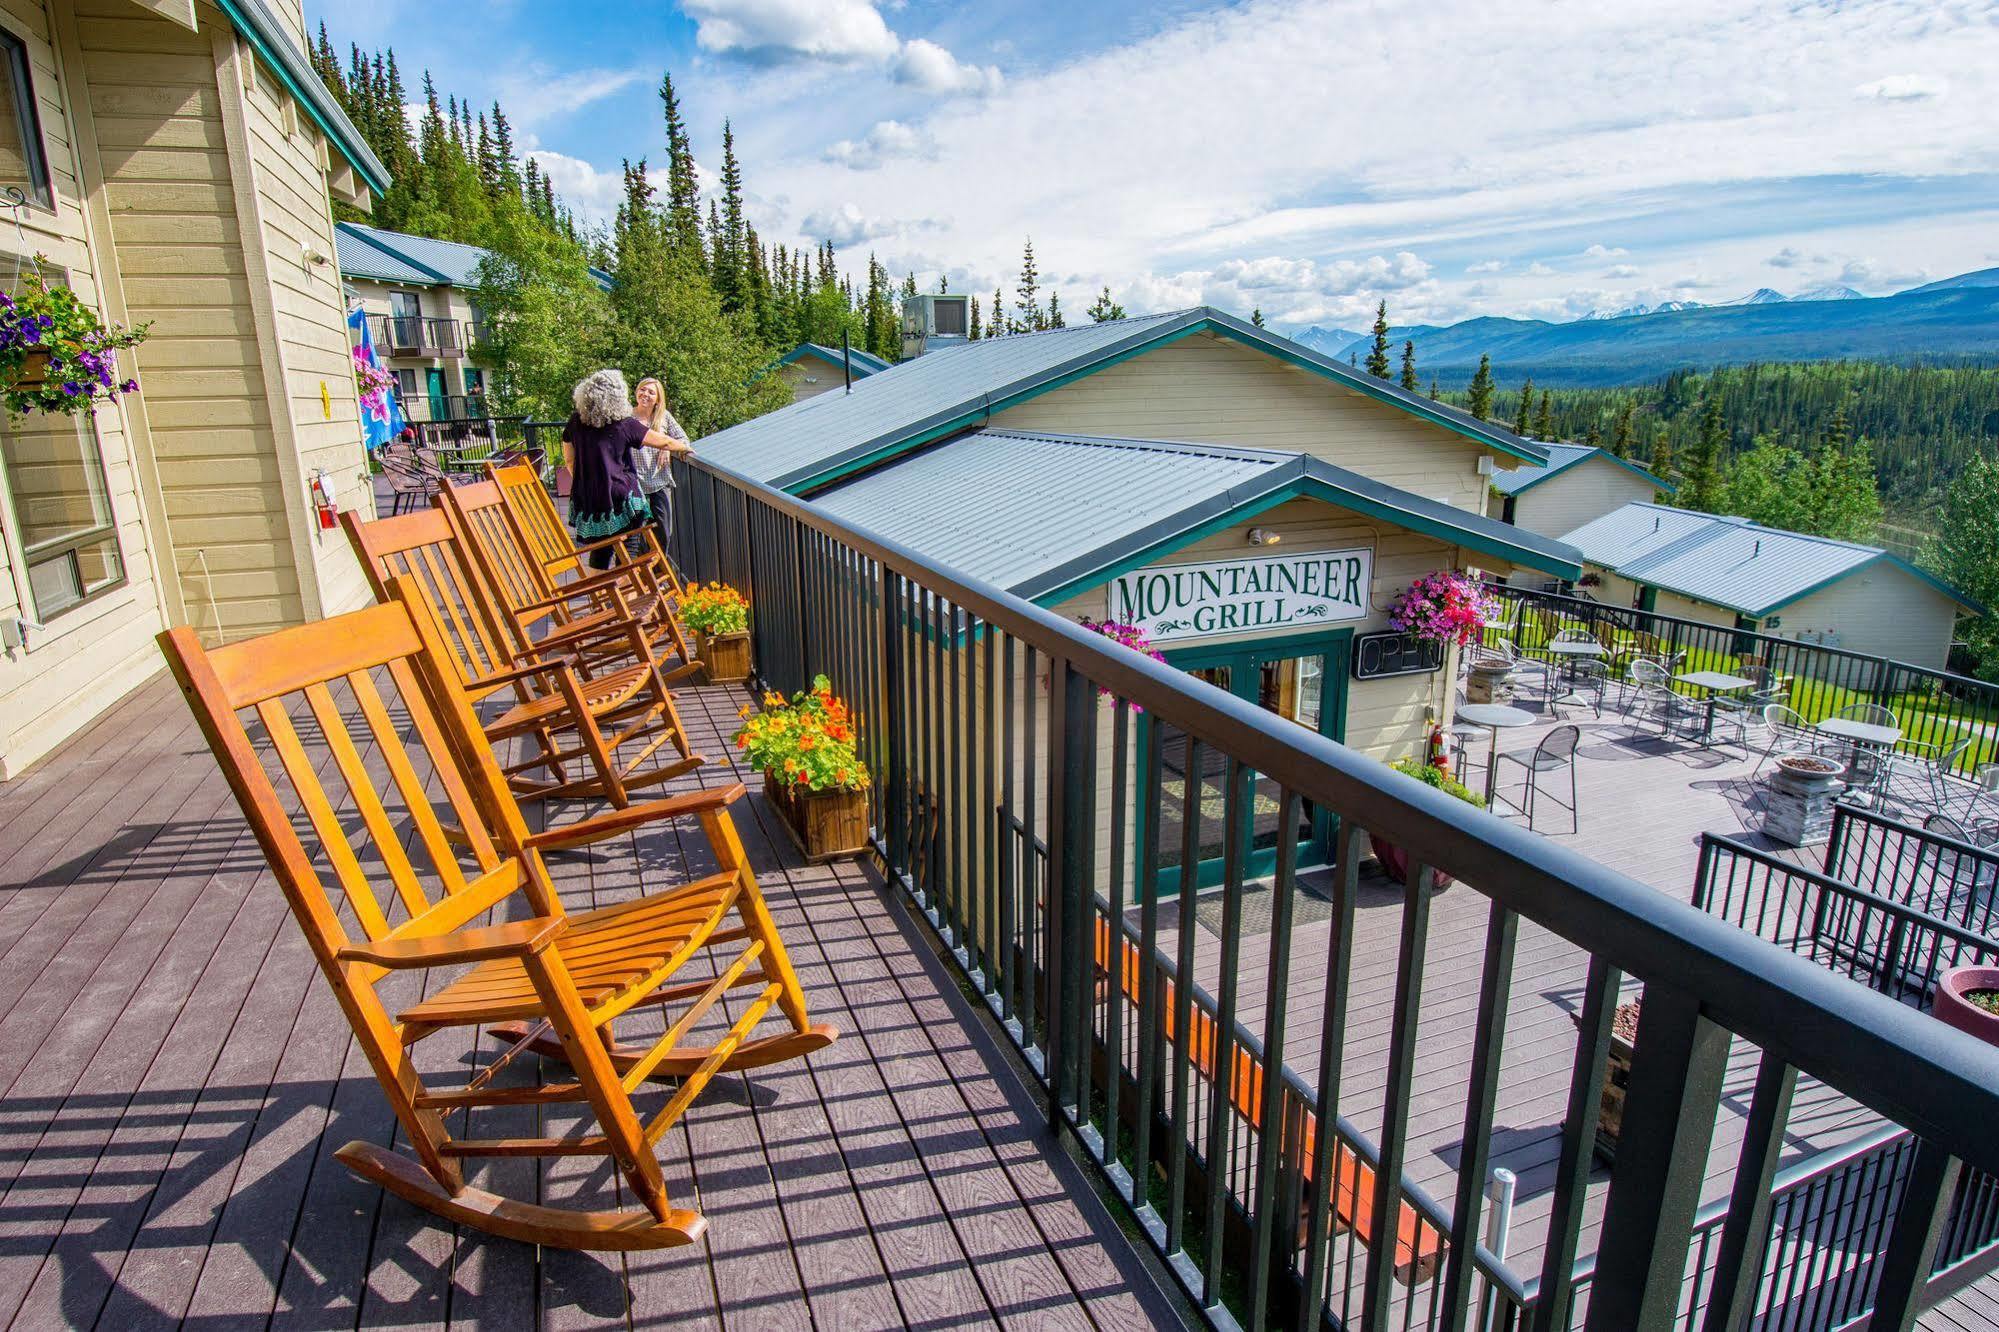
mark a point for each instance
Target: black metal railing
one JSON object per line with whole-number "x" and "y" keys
{"x": 1934, "y": 872}
{"x": 1884, "y": 942}
{"x": 1933, "y": 707}
{"x": 1829, "y": 1217}
{"x": 416, "y": 335}
{"x": 1216, "y": 1072}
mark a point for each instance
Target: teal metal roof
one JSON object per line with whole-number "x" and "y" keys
{"x": 1049, "y": 515}
{"x": 1561, "y": 457}
{"x": 1730, "y": 562}
{"x": 420, "y": 261}
{"x": 274, "y": 43}
{"x": 865, "y": 363}
{"x": 812, "y": 443}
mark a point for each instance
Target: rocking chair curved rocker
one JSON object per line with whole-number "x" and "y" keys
{"x": 565, "y": 977}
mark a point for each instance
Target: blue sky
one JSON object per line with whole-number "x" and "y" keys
{"x": 1457, "y": 157}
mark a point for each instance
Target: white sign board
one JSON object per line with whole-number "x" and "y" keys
{"x": 1179, "y": 601}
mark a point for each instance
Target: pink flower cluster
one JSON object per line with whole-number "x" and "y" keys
{"x": 1125, "y": 635}
{"x": 371, "y": 382}
{"x": 1442, "y": 607}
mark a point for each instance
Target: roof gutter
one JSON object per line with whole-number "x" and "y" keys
{"x": 270, "y": 40}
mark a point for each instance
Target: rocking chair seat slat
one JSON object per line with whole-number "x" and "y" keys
{"x": 611, "y": 954}
{"x": 600, "y": 694}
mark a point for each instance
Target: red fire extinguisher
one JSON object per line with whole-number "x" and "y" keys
{"x": 322, "y": 501}
{"x": 1440, "y": 752}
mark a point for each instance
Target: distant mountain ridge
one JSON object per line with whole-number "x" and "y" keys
{"x": 1953, "y": 319}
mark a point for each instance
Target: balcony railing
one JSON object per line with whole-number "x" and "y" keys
{"x": 1936, "y": 707}
{"x": 1031, "y": 783}
{"x": 413, "y": 335}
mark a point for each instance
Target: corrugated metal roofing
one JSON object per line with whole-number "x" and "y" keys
{"x": 446, "y": 262}
{"x": 1010, "y": 507}
{"x": 1726, "y": 561}
{"x": 1561, "y": 457}
{"x": 1036, "y": 512}
{"x": 359, "y": 255}
{"x": 812, "y": 442}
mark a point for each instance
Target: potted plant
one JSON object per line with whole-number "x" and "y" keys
{"x": 1443, "y": 607}
{"x": 1968, "y": 998}
{"x": 720, "y": 619}
{"x": 804, "y": 747}
{"x": 56, "y": 355}
{"x": 1394, "y": 860}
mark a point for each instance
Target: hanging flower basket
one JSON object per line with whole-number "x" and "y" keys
{"x": 1125, "y": 635}
{"x": 1443, "y": 607}
{"x": 56, "y": 355}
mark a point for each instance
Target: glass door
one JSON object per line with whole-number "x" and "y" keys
{"x": 1300, "y": 679}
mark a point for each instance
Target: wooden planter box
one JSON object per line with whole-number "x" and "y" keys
{"x": 726, "y": 657}
{"x": 827, "y": 825}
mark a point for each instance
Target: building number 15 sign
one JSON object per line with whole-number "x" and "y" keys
{"x": 1179, "y": 601}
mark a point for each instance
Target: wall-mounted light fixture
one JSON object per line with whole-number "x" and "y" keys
{"x": 309, "y": 257}
{"x": 1263, "y": 536}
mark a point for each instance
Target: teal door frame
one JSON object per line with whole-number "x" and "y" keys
{"x": 1245, "y": 662}
{"x": 440, "y": 398}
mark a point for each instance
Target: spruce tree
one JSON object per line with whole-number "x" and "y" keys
{"x": 1256, "y": 316}
{"x": 1028, "y": 293}
{"x": 1055, "y": 310}
{"x": 1526, "y": 401}
{"x": 1104, "y": 309}
{"x": 998, "y": 327}
{"x": 1620, "y": 433}
{"x": 1377, "y": 354}
{"x": 683, "y": 192}
{"x": 1544, "y": 419}
{"x": 1436, "y": 394}
{"x": 1409, "y": 384}
{"x": 975, "y": 331}
{"x": 1594, "y": 438}
{"x": 1481, "y": 390}
{"x": 1701, "y": 475}
{"x": 729, "y": 271}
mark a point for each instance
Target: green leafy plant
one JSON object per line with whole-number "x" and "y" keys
{"x": 56, "y": 355}
{"x": 806, "y": 740}
{"x": 1431, "y": 775}
{"x": 715, "y": 609}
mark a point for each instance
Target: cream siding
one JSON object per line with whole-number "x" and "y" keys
{"x": 435, "y": 302}
{"x": 1577, "y": 495}
{"x": 1206, "y": 389}
{"x": 1879, "y": 610}
{"x": 1686, "y": 608}
{"x": 92, "y": 654}
{"x": 809, "y": 377}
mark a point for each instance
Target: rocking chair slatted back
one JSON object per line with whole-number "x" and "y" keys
{"x": 534, "y": 510}
{"x": 424, "y": 546}
{"x": 504, "y": 551}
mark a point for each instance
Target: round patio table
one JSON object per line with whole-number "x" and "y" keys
{"x": 1495, "y": 717}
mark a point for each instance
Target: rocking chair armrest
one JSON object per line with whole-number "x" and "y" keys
{"x": 578, "y": 633}
{"x": 528, "y": 671}
{"x": 598, "y": 582}
{"x": 480, "y": 943}
{"x": 585, "y": 548}
{"x": 614, "y": 821}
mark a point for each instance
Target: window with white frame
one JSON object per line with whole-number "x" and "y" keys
{"x": 64, "y": 534}
{"x": 23, "y": 164}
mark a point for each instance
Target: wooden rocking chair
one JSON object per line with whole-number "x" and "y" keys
{"x": 548, "y": 536}
{"x": 565, "y": 977}
{"x": 510, "y": 557}
{"x": 563, "y": 704}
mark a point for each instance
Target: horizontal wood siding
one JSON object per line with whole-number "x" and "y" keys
{"x": 810, "y": 378}
{"x": 1579, "y": 495}
{"x": 1879, "y": 610}
{"x": 91, "y": 655}
{"x": 1204, "y": 389}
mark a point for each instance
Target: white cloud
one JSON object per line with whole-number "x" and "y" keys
{"x": 535, "y": 93}
{"x": 929, "y": 67}
{"x": 1904, "y": 88}
{"x": 1486, "y": 266}
{"x": 593, "y": 194}
{"x": 1793, "y": 257}
{"x": 1538, "y": 269}
{"x": 1605, "y": 252}
{"x": 1621, "y": 271}
{"x": 773, "y": 30}
{"x": 848, "y": 225}
{"x": 1866, "y": 272}
{"x": 885, "y": 141}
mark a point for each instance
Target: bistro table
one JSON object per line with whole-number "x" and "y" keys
{"x": 1864, "y": 735}
{"x": 1495, "y": 717}
{"x": 1716, "y": 683}
{"x": 1572, "y": 652}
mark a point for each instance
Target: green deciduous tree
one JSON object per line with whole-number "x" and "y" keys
{"x": 1965, "y": 554}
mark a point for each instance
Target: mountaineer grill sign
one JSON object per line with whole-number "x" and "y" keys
{"x": 1177, "y": 601}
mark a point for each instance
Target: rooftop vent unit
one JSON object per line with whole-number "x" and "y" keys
{"x": 933, "y": 321}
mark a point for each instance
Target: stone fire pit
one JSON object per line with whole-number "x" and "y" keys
{"x": 1798, "y": 798}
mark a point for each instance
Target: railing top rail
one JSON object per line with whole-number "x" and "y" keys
{"x": 1602, "y": 609}
{"x": 1955, "y": 845}
{"x": 1938, "y": 1081}
{"x": 1839, "y": 887}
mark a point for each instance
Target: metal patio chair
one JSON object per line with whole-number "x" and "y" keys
{"x": 1556, "y": 751}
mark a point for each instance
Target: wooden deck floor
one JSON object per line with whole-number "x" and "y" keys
{"x": 177, "y": 1078}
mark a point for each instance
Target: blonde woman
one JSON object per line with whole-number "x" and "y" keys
{"x": 655, "y": 474}
{"x": 604, "y": 439}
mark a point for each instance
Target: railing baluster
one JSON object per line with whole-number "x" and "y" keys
{"x": 1111, "y": 930}
{"x": 1183, "y": 999}
{"x": 1394, "y": 1146}
{"x": 1551, "y": 1310}
{"x": 1332, "y": 1048}
{"x": 1912, "y": 1244}
{"x": 1003, "y": 836}
{"x": 1677, "y": 1062}
{"x": 1035, "y": 748}
{"x": 1237, "y": 785}
{"x": 1745, "y": 1235}
{"x": 1152, "y": 1008}
{"x": 1475, "y": 1150}
{"x": 1266, "y": 1210}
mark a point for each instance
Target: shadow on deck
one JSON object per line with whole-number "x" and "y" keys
{"x": 177, "y": 1078}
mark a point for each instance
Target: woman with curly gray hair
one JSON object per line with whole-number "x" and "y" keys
{"x": 605, "y": 498}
